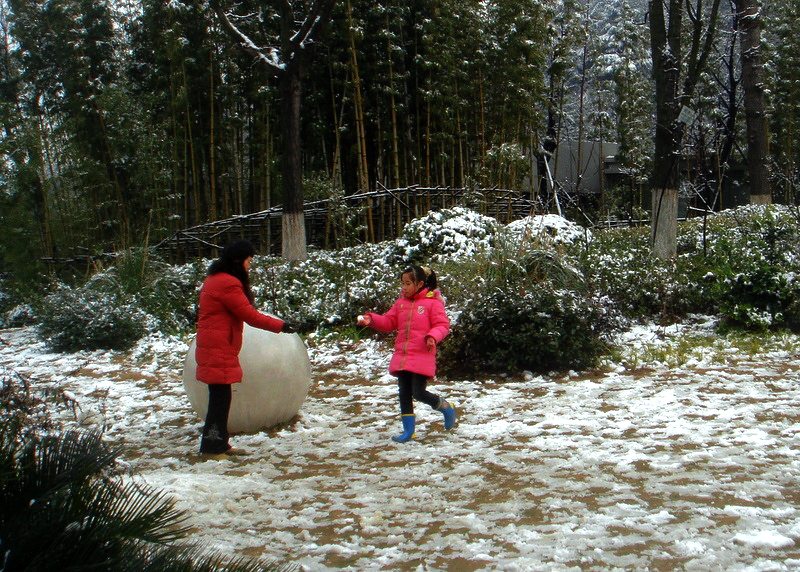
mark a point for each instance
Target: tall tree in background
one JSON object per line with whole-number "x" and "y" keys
{"x": 721, "y": 134}
{"x": 515, "y": 52}
{"x": 634, "y": 107}
{"x": 22, "y": 186}
{"x": 783, "y": 48}
{"x": 110, "y": 123}
{"x": 285, "y": 62}
{"x": 564, "y": 30}
{"x": 748, "y": 17}
{"x": 71, "y": 104}
{"x": 667, "y": 41}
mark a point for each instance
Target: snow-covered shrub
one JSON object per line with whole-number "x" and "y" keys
{"x": 741, "y": 264}
{"x": 328, "y": 288}
{"x": 84, "y": 318}
{"x": 449, "y": 233}
{"x": 15, "y": 309}
{"x": 524, "y": 310}
{"x": 538, "y": 328}
{"x": 618, "y": 264}
{"x": 20, "y": 315}
{"x": 166, "y": 293}
{"x": 752, "y": 266}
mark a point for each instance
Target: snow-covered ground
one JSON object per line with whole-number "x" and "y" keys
{"x": 681, "y": 454}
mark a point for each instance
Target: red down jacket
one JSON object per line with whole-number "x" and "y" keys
{"x": 223, "y": 309}
{"x": 414, "y": 320}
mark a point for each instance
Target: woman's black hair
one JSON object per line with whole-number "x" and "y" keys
{"x": 421, "y": 274}
{"x": 231, "y": 261}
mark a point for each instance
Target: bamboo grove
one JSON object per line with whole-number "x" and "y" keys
{"x": 124, "y": 122}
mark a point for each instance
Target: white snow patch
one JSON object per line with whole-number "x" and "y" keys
{"x": 764, "y": 538}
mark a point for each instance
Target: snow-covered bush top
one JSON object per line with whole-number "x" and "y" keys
{"x": 20, "y": 315}
{"x": 449, "y": 233}
{"x": 549, "y": 227}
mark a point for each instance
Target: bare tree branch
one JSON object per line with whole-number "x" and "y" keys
{"x": 269, "y": 56}
{"x": 318, "y": 15}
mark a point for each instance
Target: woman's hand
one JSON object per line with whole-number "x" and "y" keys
{"x": 431, "y": 343}
{"x": 364, "y": 320}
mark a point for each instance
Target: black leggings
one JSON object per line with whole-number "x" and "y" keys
{"x": 215, "y": 431}
{"x": 414, "y": 386}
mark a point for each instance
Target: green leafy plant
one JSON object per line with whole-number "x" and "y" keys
{"x": 618, "y": 265}
{"x": 753, "y": 267}
{"x": 530, "y": 311}
{"x": 327, "y": 289}
{"x": 740, "y": 264}
{"x": 538, "y": 328}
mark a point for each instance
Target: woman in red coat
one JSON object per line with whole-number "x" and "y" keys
{"x": 226, "y": 302}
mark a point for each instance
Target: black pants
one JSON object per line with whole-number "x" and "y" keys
{"x": 215, "y": 431}
{"x": 414, "y": 386}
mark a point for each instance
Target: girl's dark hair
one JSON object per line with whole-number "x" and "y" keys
{"x": 231, "y": 261}
{"x": 421, "y": 274}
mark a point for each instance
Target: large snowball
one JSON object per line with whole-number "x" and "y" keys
{"x": 276, "y": 378}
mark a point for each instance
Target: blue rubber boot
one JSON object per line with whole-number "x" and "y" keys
{"x": 409, "y": 421}
{"x": 449, "y": 413}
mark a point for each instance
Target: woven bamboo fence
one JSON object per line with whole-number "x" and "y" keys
{"x": 372, "y": 216}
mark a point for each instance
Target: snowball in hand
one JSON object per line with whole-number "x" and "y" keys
{"x": 276, "y": 378}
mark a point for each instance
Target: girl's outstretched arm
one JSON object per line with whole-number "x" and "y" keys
{"x": 383, "y": 322}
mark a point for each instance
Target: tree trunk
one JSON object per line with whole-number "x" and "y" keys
{"x": 363, "y": 174}
{"x": 195, "y": 179}
{"x": 428, "y": 143}
{"x": 581, "y": 121}
{"x": 728, "y": 127}
{"x": 266, "y": 197}
{"x": 293, "y": 232}
{"x": 749, "y": 23}
{"x": 666, "y": 52}
{"x": 212, "y": 143}
{"x": 35, "y": 169}
{"x": 482, "y": 130}
{"x": 393, "y": 113}
{"x": 666, "y": 42}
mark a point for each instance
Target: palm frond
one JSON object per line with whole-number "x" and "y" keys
{"x": 193, "y": 558}
{"x": 136, "y": 511}
{"x": 67, "y": 460}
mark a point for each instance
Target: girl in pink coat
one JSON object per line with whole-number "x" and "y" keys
{"x": 421, "y": 323}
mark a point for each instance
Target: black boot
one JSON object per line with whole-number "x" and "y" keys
{"x": 213, "y": 441}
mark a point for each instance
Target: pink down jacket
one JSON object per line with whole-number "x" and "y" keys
{"x": 414, "y": 319}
